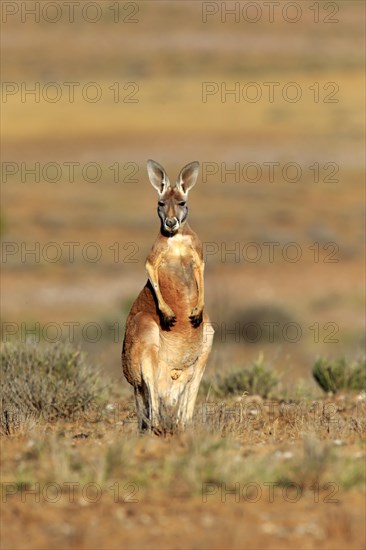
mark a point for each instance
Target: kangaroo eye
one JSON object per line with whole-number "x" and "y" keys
{"x": 161, "y": 203}
{"x": 183, "y": 203}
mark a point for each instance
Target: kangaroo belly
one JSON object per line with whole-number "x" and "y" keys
{"x": 178, "y": 286}
{"x": 177, "y": 354}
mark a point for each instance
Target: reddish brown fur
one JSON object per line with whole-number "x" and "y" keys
{"x": 179, "y": 295}
{"x": 166, "y": 346}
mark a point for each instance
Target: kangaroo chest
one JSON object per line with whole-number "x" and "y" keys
{"x": 176, "y": 271}
{"x": 177, "y": 260}
{"x": 179, "y": 248}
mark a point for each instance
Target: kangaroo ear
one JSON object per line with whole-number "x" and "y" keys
{"x": 157, "y": 175}
{"x": 188, "y": 176}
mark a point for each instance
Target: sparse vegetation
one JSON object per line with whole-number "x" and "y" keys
{"x": 257, "y": 379}
{"x": 48, "y": 381}
{"x": 304, "y": 452}
{"x": 181, "y": 463}
{"x": 339, "y": 374}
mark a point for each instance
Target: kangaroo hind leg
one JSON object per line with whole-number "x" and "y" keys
{"x": 145, "y": 353}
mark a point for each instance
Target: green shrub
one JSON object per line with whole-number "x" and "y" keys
{"x": 336, "y": 375}
{"x": 257, "y": 379}
{"x": 52, "y": 381}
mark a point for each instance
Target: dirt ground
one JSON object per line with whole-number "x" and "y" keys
{"x": 182, "y": 523}
{"x": 266, "y": 479}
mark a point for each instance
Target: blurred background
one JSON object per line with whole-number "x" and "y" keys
{"x": 269, "y": 100}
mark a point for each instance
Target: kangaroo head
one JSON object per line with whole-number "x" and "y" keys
{"x": 172, "y": 199}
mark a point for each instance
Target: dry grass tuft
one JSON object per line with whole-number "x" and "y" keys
{"x": 334, "y": 376}
{"x": 48, "y": 382}
{"x": 257, "y": 379}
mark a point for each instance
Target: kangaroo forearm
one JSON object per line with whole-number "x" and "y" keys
{"x": 198, "y": 272}
{"x": 154, "y": 280}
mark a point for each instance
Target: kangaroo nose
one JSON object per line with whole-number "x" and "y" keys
{"x": 170, "y": 222}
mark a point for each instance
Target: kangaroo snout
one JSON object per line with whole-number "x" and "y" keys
{"x": 171, "y": 222}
